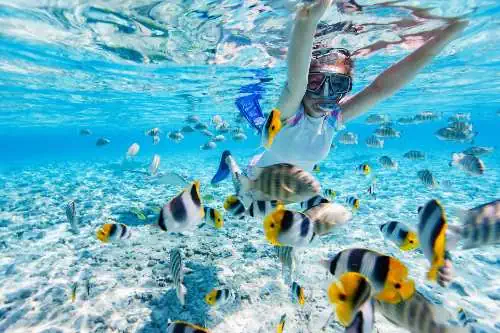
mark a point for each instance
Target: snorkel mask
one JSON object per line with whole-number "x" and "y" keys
{"x": 328, "y": 84}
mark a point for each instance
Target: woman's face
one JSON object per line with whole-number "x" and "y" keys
{"x": 318, "y": 105}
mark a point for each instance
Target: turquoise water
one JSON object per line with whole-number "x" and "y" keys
{"x": 120, "y": 68}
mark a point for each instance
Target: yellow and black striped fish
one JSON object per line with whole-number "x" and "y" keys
{"x": 212, "y": 215}
{"x": 234, "y": 206}
{"x": 348, "y": 295}
{"x": 314, "y": 201}
{"x": 260, "y": 208}
{"x": 432, "y": 236}
{"x": 184, "y": 211}
{"x": 387, "y": 275}
{"x": 281, "y": 324}
{"x": 297, "y": 293}
{"x": 271, "y": 128}
{"x": 399, "y": 233}
{"x": 286, "y": 227}
{"x": 113, "y": 232}
{"x": 184, "y": 327}
{"x": 219, "y": 297}
{"x": 364, "y": 169}
{"x": 353, "y": 202}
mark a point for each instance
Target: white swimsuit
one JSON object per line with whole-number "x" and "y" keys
{"x": 303, "y": 141}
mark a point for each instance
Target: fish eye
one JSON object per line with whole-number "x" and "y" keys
{"x": 342, "y": 297}
{"x": 411, "y": 242}
{"x": 272, "y": 225}
{"x": 397, "y": 285}
{"x": 273, "y": 127}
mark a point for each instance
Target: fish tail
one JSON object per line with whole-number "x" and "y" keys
{"x": 223, "y": 169}
{"x": 181, "y": 294}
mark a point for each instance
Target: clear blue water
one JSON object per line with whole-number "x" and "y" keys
{"x": 120, "y": 68}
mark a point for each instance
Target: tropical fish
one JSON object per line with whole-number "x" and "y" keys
{"x": 348, "y": 295}
{"x": 352, "y": 202}
{"x": 461, "y": 126}
{"x": 281, "y": 324}
{"x": 286, "y": 256}
{"x": 102, "y": 142}
{"x": 325, "y": 216}
{"x": 263, "y": 208}
{"x": 364, "y": 320}
{"x": 153, "y": 132}
{"x": 200, "y": 126}
{"x": 406, "y": 120}
{"x": 432, "y": 236}
{"x": 175, "y": 136}
{"x": 417, "y": 314}
{"x": 283, "y": 182}
{"x": 213, "y": 216}
{"x": 427, "y": 116}
{"x": 480, "y": 227}
{"x": 155, "y": 163}
{"x": 364, "y": 169}
{"x": 138, "y": 213}
{"x": 374, "y": 142}
{"x": 113, "y": 232}
{"x": 372, "y": 189}
{"x": 329, "y": 193}
{"x": 209, "y": 146}
{"x": 414, "y": 155}
{"x": 376, "y": 119}
{"x": 133, "y": 150}
{"x": 184, "y": 327}
{"x": 297, "y": 293}
{"x": 314, "y": 201}
{"x": 459, "y": 117}
{"x": 451, "y": 134}
{"x": 239, "y": 137}
{"x": 348, "y": 138}
{"x": 388, "y": 276}
{"x": 72, "y": 217}
{"x": 219, "y": 297}
{"x": 387, "y": 132}
{"x": 478, "y": 151}
{"x": 427, "y": 178}
{"x": 316, "y": 168}
{"x": 187, "y": 129}
{"x": 85, "y": 132}
{"x": 193, "y": 119}
{"x": 234, "y": 205}
{"x": 285, "y": 227}
{"x": 271, "y": 128}
{"x": 219, "y": 138}
{"x": 400, "y": 234}
{"x": 468, "y": 163}
{"x": 73, "y": 292}
{"x": 388, "y": 162}
{"x": 177, "y": 273}
{"x": 184, "y": 211}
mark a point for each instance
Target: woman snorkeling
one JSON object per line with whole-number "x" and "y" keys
{"x": 313, "y": 105}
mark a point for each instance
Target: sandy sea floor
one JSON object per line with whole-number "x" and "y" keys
{"x": 126, "y": 287}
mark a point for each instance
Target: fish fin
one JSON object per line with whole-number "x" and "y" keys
{"x": 223, "y": 169}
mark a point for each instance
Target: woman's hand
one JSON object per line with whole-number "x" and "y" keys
{"x": 314, "y": 11}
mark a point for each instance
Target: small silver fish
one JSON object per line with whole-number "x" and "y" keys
{"x": 85, "y": 132}
{"x": 187, "y": 129}
{"x": 209, "y": 146}
{"x": 239, "y": 137}
{"x": 427, "y": 116}
{"x": 376, "y": 119}
{"x": 102, "y": 142}
{"x": 374, "y": 142}
{"x": 406, "y": 120}
{"x": 388, "y": 162}
{"x": 193, "y": 119}
{"x": 348, "y": 138}
{"x": 155, "y": 131}
{"x": 200, "y": 127}
{"x": 175, "y": 136}
{"x": 155, "y": 164}
{"x": 387, "y": 132}
{"x": 219, "y": 138}
{"x": 478, "y": 151}
{"x": 72, "y": 217}
{"x": 207, "y": 133}
{"x": 177, "y": 272}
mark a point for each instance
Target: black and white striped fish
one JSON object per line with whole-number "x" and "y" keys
{"x": 177, "y": 272}
{"x": 427, "y": 178}
{"x": 374, "y": 142}
{"x": 364, "y": 320}
{"x": 314, "y": 201}
{"x": 72, "y": 217}
{"x": 388, "y": 162}
{"x": 387, "y": 275}
{"x": 184, "y": 211}
{"x": 372, "y": 189}
{"x": 286, "y": 256}
{"x": 414, "y": 155}
{"x": 417, "y": 315}
{"x": 113, "y": 232}
{"x": 399, "y": 233}
{"x": 259, "y": 208}
{"x": 286, "y": 227}
{"x": 297, "y": 293}
{"x": 469, "y": 163}
{"x": 480, "y": 227}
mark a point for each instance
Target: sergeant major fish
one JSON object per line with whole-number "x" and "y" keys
{"x": 414, "y": 155}
{"x": 427, "y": 178}
{"x": 374, "y": 142}
{"x": 469, "y": 163}
{"x": 388, "y": 162}
{"x": 348, "y": 138}
{"x": 478, "y": 151}
{"x": 72, "y": 217}
{"x": 387, "y": 132}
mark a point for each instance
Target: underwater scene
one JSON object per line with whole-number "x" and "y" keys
{"x": 261, "y": 166}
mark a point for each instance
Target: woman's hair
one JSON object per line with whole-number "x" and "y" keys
{"x": 331, "y": 56}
